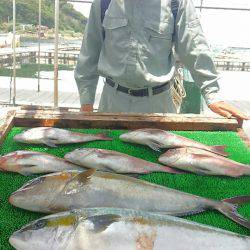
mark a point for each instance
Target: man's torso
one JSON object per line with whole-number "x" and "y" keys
{"x": 137, "y": 49}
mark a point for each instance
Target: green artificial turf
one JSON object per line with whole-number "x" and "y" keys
{"x": 211, "y": 187}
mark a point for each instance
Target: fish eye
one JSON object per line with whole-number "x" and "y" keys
{"x": 35, "y": 226}
{"x": 40, "y": 224}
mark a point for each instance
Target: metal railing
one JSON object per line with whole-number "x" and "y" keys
{"x": 13, "y": 82}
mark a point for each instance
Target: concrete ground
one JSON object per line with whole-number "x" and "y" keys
{"x": 234, "y": 88}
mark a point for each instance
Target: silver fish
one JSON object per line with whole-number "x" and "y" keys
{"x": 112, "y": 161}
{"x": 117, "y": 229}
{"x": 54, "y": 136}
{"x": 31, "y": 162}
{"x": 73, "y": 190}
{"x": 202, "y": 162}
{"x": 157, "y": 139}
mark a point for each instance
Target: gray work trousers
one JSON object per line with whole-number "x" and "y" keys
{"x": 116, "y": 101}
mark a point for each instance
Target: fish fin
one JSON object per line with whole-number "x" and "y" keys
{"x": 232, "y": 172}
{"x": 201, "y": 170}
{"x": 238, "y": 200}
{"x": 134, "y": 175}
{"x": 102, "y": 222}
{"x": 200, "y": 156}
{"x": 228, "y": 207}
{"x": 24, "y": 173}
{"x": 172, "y": 170}
{"x": 156, "y": 146}
{"x": 104, "y": 154}
{"x": 49, "y": 143}
{"x": 220, "y": 150}
{"x": 104, "y": 136}
{"x": 106, "y": 168}
{"x": 77, "y": 181}
{"x": 84, "y": 175}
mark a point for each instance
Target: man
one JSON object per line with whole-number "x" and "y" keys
{"x": 132, "y": 49}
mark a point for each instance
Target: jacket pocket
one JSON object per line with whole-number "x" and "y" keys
{"x": 159, "y": 30}
{"x": 116, "y": 31}
{"x": 159, "y": 36}
{"x": 110, "y": 23}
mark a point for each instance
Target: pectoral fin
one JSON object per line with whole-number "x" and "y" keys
{"x": 102, "y": 222}
{"x": 25, "y": 170}
{"x": 74, "y": 184}
{"x": 156, "y": 146}
{"x": 49, "y": 143}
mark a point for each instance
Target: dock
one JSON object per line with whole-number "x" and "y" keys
{"x": 232, "y": 65}
{"x": 68, "y": 55}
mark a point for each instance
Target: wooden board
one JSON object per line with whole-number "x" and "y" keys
{"x": 244, "y": 137}
{"x": 35, "y": 118}
{"x": 6, "y": 125}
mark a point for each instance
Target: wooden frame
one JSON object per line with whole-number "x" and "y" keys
{"x": 6, "y": 125}
{"x": 69, "y": 119}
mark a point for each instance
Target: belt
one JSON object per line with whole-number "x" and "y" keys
{"x": 138, "y": 92}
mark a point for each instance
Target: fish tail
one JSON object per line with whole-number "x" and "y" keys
{"x": 228, "y": 207}
{"x": 220, "y": 150}
{"x": 104, "y": 137}
{"x": 246, "y": 170}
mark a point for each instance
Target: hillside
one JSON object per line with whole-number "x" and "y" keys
{"x": 27, "y": 13}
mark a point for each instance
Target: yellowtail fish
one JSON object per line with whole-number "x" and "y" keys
{"x": 73, "y": 190}
{"x": 119, "y": 229}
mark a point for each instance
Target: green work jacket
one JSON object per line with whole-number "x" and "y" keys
{"x": 137, "y": 49}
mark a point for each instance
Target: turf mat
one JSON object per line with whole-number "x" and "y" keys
{"x": 217, "y": 188}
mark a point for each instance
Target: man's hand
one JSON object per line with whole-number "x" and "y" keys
{"x": 87, "y": 108}
{"x": 228, "y": 111}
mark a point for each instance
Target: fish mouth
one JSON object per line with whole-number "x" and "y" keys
{"x": 16, "y": 241}
{"x": 19, "y": 194}
{"x": 17, "y": 138}
{"x": 123, "y": 137}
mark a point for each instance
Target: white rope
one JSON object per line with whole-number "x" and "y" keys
{"x": 177, "y": 90}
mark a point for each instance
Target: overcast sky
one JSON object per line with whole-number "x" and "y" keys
{"x": 227, "y": 28}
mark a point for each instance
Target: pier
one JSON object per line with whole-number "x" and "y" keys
{"x": 66, "y": 55}
{"x": 232, "y": 65}
{"x": 69, "y": 56}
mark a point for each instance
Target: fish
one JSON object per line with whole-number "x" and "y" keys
{"x": 113, "y": 161}
{"x": 158, "y": 139}
{"x": 69, "y": 190}
{"x": 55, "y": 136}
{"x": 114, "y": 228}
{"x": 32, "y": 162}
{"x": 203, "y": 162}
